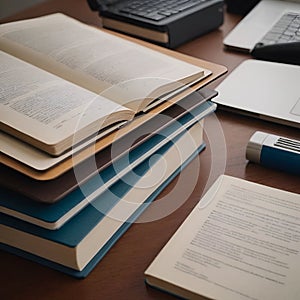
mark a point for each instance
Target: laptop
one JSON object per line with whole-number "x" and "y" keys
{"x": 262, "y": 89}
{"x": 255, "y": 25}
{"x": 168, "y": 23}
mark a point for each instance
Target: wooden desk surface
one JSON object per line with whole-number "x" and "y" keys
{"x": 120, "y": 274}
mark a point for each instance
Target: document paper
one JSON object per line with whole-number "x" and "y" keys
{"x": 241, "y": 241}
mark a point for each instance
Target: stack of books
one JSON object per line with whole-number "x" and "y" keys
{"x": 88, "y": 122}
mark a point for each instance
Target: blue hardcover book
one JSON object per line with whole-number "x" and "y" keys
{"x": 53, "y": 216}
{"x": 80, "y": 244}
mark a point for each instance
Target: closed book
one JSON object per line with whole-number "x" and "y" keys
{"x": 78, "y": 246}
{"x": 53, "y": 216}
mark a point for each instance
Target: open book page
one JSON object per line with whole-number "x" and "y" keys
{"x": 94, "y": 59}
{"x": 46, "y": 110}
{"x": 240, "y": 242}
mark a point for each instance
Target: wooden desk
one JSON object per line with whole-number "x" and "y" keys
{"x": 120, "y": 274}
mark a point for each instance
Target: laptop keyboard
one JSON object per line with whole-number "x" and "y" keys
{"x": 157, "y": 10}
{"x": 286, "y": 30}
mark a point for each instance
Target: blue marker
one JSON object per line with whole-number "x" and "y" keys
{"x": 274, "y": 151}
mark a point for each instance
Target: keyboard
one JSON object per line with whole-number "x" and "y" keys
{"x": 157, "y": 10}
{"x": 285, "y": 30}
{"x": 168, "y": 23}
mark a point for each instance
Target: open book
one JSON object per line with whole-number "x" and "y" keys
{"x": 241, "y": 241}
{"x": 63, "y": 81}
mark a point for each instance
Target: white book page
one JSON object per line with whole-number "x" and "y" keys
{"x": 45, "y": 107}
{"x": 92, "y": 58}
{"x": 241, "y": 241}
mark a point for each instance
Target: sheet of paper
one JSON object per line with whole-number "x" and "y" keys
{"x": 242, "y": 241}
